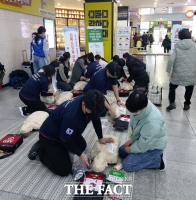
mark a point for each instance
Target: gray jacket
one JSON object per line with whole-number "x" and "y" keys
{"x": 77, "y": 71}
{"x": 182, "y": 63}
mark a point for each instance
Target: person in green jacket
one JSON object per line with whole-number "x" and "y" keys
{"x": 147, "y": 133}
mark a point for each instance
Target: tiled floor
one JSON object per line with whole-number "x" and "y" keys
{"x": 178, "y": 182}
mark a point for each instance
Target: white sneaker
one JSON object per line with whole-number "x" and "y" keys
{"x": 21, "y": 111}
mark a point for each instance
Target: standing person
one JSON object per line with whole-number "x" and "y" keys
{"x": 62, "y": 73}
{"x": 182, "y": 69}
{"x": 151, "y": 40}
{"x": 136, "y": 38}
{"x": 92, "y": 67}
{"x": 144, "y": 40}
{"x": 36, "y": 85}
{"x": 101, "y": 61}
{"x": 78, "y": 70}
{"x": 61, "y": 132}
{"x": 127, "y": 56}
{"x": 31, "y": 46}
{"x": 166, "y": 44}
{"x": 100, "y": 82}
{"x": 147, "y": 136}
{"x": 40, "y": 48}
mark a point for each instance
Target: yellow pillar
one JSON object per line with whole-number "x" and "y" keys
{"x": 102, "y": 13}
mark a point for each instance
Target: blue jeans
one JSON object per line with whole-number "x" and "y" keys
{"x": 38, "y": 63}
{"x": 134, "y": 162}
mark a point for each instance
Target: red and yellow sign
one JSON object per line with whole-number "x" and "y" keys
{"x": 189, "y": 13}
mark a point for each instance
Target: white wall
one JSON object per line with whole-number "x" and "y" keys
{"x": 165, "y": 17}
{"x": 121, "y": 23}
{"x": 15, "y": 36}
{"x": 134, "y": 18}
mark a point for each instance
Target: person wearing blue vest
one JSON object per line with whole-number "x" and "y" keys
{"x": 40, "y": 50}
{"x": 127, "y": 56}
{"x": 92, "y": 67}
{"x": 36, "y": 85}
{"x": 102, "y": 79}
{"x": 61, "y": 132}
{"x": 147, "y": 136}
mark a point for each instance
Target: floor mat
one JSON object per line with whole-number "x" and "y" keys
{"x": 23, "y": 176}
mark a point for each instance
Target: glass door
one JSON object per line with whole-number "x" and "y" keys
{"x": 60, "y": 23}
{"x": 72, "y": 22}
{"x": 82, "y": 35}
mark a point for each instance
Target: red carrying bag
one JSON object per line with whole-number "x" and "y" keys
{"x": 9, "y": 144}
{"x": 124, "y": 93}
{"x": 51, "y": 107}
{"x": 77, "y": 93}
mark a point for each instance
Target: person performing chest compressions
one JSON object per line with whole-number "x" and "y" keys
{"x": 36, "y": 85}
{"x": 61, "y": 133}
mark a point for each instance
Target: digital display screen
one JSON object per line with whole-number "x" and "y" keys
{"x": 49, "y": 25}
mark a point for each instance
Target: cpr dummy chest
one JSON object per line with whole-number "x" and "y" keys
{"x": 33, "y": 122}
{"x": 104, "y": 154}
{"x": 64, "y": 96}
{"x": 80, "y": 85}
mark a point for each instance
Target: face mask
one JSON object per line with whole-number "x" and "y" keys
{"x": 133, "y": 114}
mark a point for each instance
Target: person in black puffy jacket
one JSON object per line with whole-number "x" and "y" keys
{"x": 137, "y": 74}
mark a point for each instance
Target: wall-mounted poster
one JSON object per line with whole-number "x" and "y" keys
{"x": 123, "y": 35}
{"x": 95, "y": 40}
{"x": 175, "y": 30}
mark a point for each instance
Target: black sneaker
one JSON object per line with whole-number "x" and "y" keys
{"x": 163, "y": 163}
{"x": 171, "y": 107}
{"x": 186, "y": 107}
{"x": 22, "y": 112}
{"x": 33, "y": 153}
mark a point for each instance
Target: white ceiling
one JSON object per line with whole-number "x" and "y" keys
{"x": 133, "y": 5}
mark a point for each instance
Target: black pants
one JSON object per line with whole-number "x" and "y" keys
{"x": 166, "y": 49}
{"x": 64, "y": 86}
{"x": 56, "y": 157}
{"x": 32, "y": 106}
{"x": 144, "y": 45}
{"x": 187, "y": 96}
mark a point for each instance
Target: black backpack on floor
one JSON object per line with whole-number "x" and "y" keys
{"x": 18, "y": 78}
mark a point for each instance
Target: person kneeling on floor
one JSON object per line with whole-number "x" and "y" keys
{"x": 61, "y": 133}
{"x": 30, "y": 92}
{"x": 147, "y": 133}
{"x": 63, "y": 73}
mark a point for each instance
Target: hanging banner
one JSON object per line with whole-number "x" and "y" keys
{"x": 72, "y": 42}
{"x": 95, "y": 40}
{"x": 42, "y": 8}
{"x": 175, "y": 31}
{"x": 123, "y": 40}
